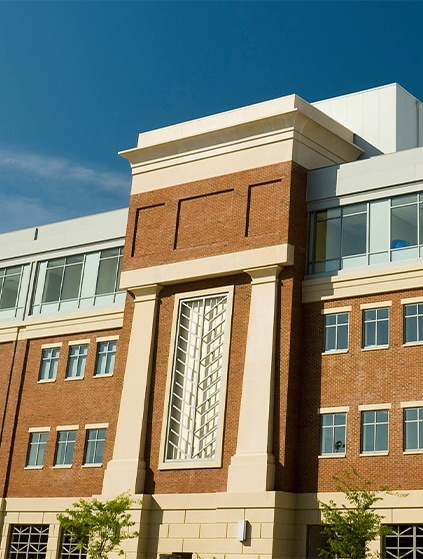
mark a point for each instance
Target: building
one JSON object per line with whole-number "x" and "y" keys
{"x": 270, "y": 337}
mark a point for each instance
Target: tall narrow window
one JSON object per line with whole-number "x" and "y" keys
{"x": 109, "y": 271}
{"x": 413, "y": 323}
{"x": 49, "y": 363}
{"x": 106, "y": 353}
{"x": 333, "y": 432}
{"x": 404, "y": 221}
{"x": 36, "y": 449}
{"x": 374, "y": 431}
{"x": 413, "y": 429}
{"x": 94, "y": 446}
{"x": 10, "y": 279}
{"x": 192, "y": 428}
{"x": 336, "y": 332}
{"x": 375, "y": 327}
{"x": 76, "y": 361}
{"x": 64, "y": 448}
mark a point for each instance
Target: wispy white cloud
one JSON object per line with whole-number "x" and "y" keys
{"x": 20, "y": 212}
{"x": 62, "y": 170}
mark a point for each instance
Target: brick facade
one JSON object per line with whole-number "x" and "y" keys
{"x": 360, "y": 376}
{"x": 88, "y": 400}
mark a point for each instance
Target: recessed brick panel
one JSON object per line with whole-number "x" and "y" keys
{"x": 204, "y": 220}
{"x": 266, "y": 209}
{"x": 149, "y": 225}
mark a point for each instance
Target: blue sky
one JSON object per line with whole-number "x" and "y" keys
{"x": 79, "y": 80}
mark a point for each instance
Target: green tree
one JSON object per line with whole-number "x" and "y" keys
{"x": 99, "y": 527}
{"x": 351, "y": 527}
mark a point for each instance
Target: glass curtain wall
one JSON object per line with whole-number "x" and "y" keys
{"x": 366, "y": 234}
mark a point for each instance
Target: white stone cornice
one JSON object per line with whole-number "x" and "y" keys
{"x": 209, "y": 267}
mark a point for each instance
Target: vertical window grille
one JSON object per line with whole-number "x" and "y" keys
{"x": 49, "y": 363}
{"x": 106, "y": 353}
{"x": 196, "y": 379}
{"x": 28, "y": 541}
{"x": 76, "y": 361}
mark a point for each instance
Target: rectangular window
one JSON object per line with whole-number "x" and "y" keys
{"x": 78, "y": 281}
{"x": 376, "y": 327}
{"x": 94, "y": 446}
{"x": 413, "y": 323}
{"x": 69, "y": 548}
{"x": 198, "y": 365}
{"x": 333, "y": 432}
{"x": 413, "y": 429}
{"x": 77, "y": 360}
{"x": 374, "y": 431}
{"x": 28, "y": 541}
{"x": 336, "y": 331}
{"x": 106, "y": 353}
{"x": 65, "y": 448}
{"x": 337, "y": 236}
{"x": 36, "y": 449}
{"x": 405, "y": 541}
{"x": 317, "y": 541}
{"x": 10, "y": 280}
{"x": 404, "y": 225}
{"x": 49, "y": 363}
{"x": 63, "y": 278}
{"x": 109, "y": 271}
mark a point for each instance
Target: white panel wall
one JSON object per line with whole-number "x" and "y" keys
{"x": 370, "y": 114}
{"x": 408, "y": 134}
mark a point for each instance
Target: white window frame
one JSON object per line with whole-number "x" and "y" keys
{"x": 108, "y": 354}
{"x": 374, "y": 409}
{"x": 25, "y": 548}
{"x": 53, "y": 363}
{"x": 377, "y": 322}
{"x": 217, "y": 460}
{"x": 92, "y": 429}
{"x": 333, "y": 412}
{"x": 330, "y": 313}
{"x": 80, "y": 357}
{"x": 87, "y": 294}
{"x": 65, "y": 429}
{"x": 417, "y": 303}
{"x": 33, "y": 432}
{"x": 419, "y": 424}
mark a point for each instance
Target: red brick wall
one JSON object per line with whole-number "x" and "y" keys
{"x": 65, "y": 402}
{"x": 220, "y": 215}
{"x": 289, "y": 343}
{"x": 376, "y": 376}
{"x": 12, "y": 362}
{"x": 269, "y": 205}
